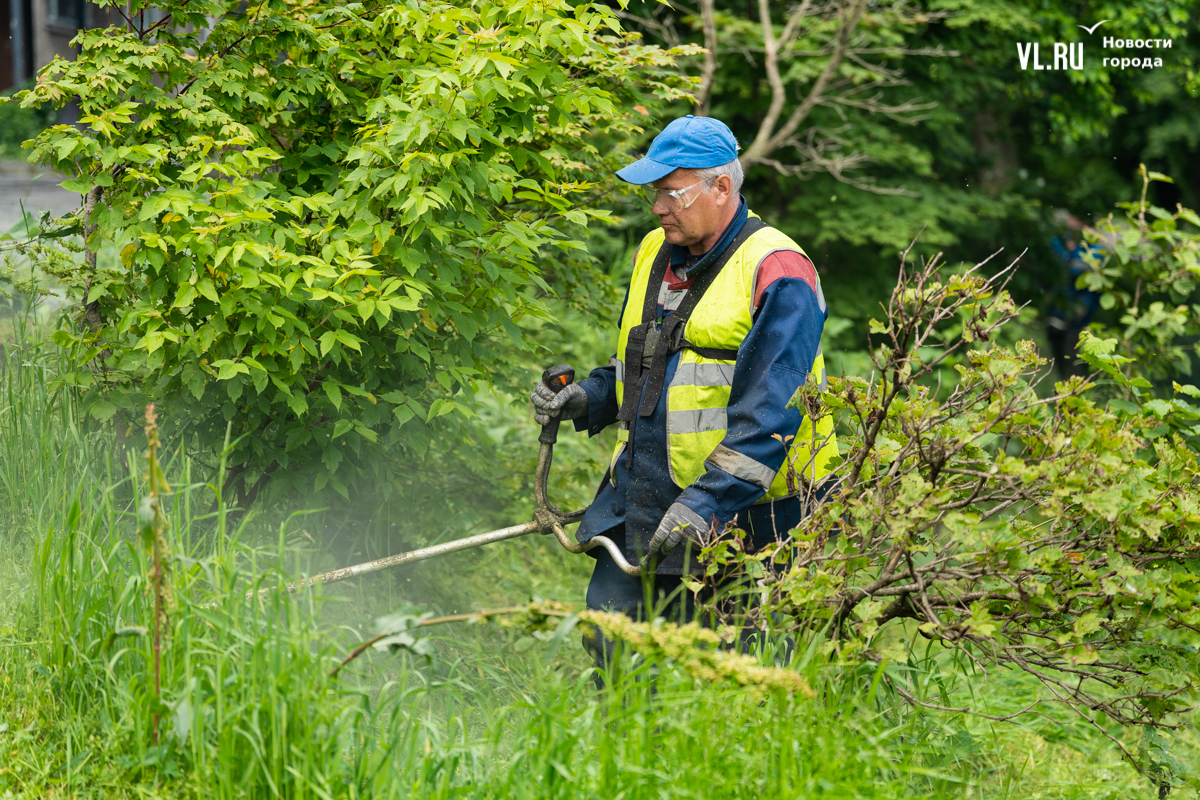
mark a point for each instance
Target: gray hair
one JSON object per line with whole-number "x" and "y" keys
{"x": 733, "y": 169}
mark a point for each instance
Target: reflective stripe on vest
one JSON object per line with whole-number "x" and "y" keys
{"x": 715, "y": 374}
{"x": 712, "y": 374}
{"x": 698, "y": 395}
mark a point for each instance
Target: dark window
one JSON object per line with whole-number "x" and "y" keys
{"x": 68, "y": 13}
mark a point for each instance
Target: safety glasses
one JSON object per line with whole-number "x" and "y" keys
{"x": 674, "y": 199}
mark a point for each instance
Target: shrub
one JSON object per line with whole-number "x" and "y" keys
{"x": 329, "y": 221}
{"x": 1046, "y": 531}
{"x": 1144, "y": 266}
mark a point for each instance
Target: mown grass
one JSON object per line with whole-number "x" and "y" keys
{"x": 247, "y": 707}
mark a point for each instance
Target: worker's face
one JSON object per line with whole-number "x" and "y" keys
{"x": 696, "y": 212}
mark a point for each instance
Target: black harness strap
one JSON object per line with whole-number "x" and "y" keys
{"x": 636, "y": 344}
{"x": 719, "y": 353}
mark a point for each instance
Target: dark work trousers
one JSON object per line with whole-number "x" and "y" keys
{"x": 612, "y": 590}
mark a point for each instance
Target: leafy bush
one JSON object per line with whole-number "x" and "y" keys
{"x": 1043, "y": 531}
{"x": 1146, "y": 269}
{"x": 331, "y": 220}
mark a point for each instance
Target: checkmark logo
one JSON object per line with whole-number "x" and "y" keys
{"x": 1093, "y": 28}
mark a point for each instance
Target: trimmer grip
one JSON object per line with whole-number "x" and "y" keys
{"x": 556, "y": 378}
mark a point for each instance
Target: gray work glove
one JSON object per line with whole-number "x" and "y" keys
{"x": 570, "y": 403}
{"x": 679, "y": 523}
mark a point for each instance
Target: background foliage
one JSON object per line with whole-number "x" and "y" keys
{"x": 929, "y": 98}
{"x": 19, "y": 125}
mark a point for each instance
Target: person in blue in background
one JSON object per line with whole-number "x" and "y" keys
{"x": 1074, "y": 308}
{"x": 721, "y": 325}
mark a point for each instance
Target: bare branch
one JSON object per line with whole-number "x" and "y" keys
{"x": 769, "y": 138}
{"x": 709, "y": 70}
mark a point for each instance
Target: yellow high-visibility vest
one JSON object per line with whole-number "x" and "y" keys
{"x": 698, "y": 395}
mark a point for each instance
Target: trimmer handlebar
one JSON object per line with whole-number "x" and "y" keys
{"x": 556, "y": 378}
{"x": 549, "y": 517}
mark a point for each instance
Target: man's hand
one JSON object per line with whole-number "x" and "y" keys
{"x": 679, "y": 523}
{"x": 570, "y": 402}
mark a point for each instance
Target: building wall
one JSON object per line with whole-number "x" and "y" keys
{"x": 35, "y": 31}
{"x": 16, "y": 33}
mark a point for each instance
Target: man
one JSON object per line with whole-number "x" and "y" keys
{"x": 1072, "y": 309}
{"x": 722, "y": 323}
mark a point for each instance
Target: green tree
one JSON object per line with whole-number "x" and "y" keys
{"x": 327, "y": 222}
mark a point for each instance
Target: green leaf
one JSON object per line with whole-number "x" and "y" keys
{"x": 77, "y": 185}
{"x": 152, "y": 341}
{"x": 327, "y": 341}
{"x": 403, "y": 414}
{"x": 102, "y": 410}
{"x": 298, "y": 404}
{"x": 1087, "y": 624}
{"x": 185, "y": 296}
{"x": 65, "y": 147}
{"x": 348, "y": 339}
{"x": 205, "y": 287}
{"x": 334, "y": 394}
{"x": 196, "y": 384}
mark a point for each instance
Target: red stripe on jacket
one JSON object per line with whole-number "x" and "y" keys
{"x": 780, "y": 264}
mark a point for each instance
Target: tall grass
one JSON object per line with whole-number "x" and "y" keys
{"x": 45, "y": 450}
{"x": 248, "y": 709}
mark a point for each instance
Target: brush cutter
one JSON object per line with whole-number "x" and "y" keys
{"x": 547, "y": 517}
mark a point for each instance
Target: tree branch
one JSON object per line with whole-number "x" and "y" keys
{"x": 768, "y": 138}
{"x": 708, "y": 70}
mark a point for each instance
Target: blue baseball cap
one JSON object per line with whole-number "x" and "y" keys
{"x": 688, "y": 142}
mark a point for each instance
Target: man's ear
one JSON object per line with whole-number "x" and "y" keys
{"x": 724, "y": 187}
